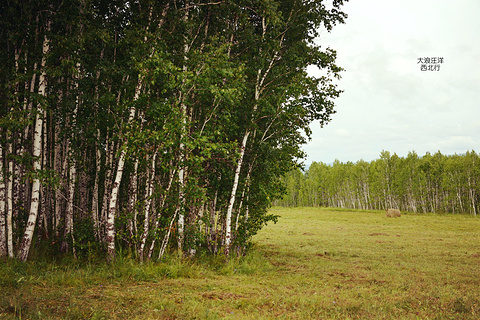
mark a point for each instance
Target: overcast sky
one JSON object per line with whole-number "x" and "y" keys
{"x": 388, "y": 103}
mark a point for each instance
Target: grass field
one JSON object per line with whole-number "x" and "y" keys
{"x": 313, "y": 264}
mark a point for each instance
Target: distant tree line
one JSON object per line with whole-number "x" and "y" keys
{"x": 432, "y": 183}
{"x": 154, "y": 125}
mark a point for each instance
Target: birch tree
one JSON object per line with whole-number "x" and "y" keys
{"x": 10, "y": 204}
{"x": 3, "y": 234}
{"x": 282, "y": 47}
{"x": 37, "y": 164}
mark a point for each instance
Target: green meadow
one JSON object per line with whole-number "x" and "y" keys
{"x": 314, "y": 263}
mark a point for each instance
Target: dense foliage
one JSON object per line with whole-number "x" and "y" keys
{"x": 126, "y": 123}
{"x": 432, "y": 183}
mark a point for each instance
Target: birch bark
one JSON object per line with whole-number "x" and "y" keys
{"x": 10, "y": 204}
{"x": 107, "y": 185}
{"x": 98, "y": 159}
{"x": 472, "y": 194}
{"x": 148, "y": 202}
{"x": 43, "y": 210}
{"x": 167, "y": 235}
{"x": 37, "y": 164}
{"x": 58, "y": 161}
{"x": 183, "y": 133}
{"x": 162, "y": 203}
{"x": 228, "y": 220}
{"x": 3, "y": 237}
{"x": 71, "y": 180}
{"x": 110, "y": 236}
{"x": 69, "y": 210}
{"x": 132, "y": 223}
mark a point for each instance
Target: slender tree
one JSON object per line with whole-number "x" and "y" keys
{"x": 37, "y": 155}
{"x": 3, "y": 202}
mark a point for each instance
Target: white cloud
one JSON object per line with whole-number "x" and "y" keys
{"x": 342, "y": 133}
{"x": 459, "y": 144}
{"x": 388, "y": 103}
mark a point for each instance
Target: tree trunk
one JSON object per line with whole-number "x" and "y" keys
{"x": 162, "y": 203}
{"x": 32, "y": 218}
{"x": 57, "y": 162}
{"x": 110, "y": 238}
{"x": 183, "y": 134}
{"x": 148, "y": 202}
{"x": 167, "y": 235}
{"x": 228, "y": 221}
{"x": 10, "y": 203}
{"x": 37, "y": 163}
{"x": 181, "y": 201}
{"x": 3, "y": 237}
{"x": 246, "y": 190}
{"x": 42, "y": 225}
{"x": 132, "y": 200}
{"x": 212, "y": 233}
{"x": 98, "y": 159}
{"x": 471, "y": 191}
{"x": 68, "y": 233}
{"x": 110, "y": 150}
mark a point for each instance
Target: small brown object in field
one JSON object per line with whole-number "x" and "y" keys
{"x": 393, "y": 213}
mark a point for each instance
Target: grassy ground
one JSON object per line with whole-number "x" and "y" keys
{"x": 313, "y": 264}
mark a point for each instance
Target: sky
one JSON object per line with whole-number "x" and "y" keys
{"x": 388, "y": 102}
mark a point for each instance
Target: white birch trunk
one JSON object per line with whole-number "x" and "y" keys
{"x": 3, "y": 237}
{"x": 246, "y": 190}
{"x": 107, "y": 186}
{"x": 10, "y": 204}
{"x": 32, "y": 218}
{"x": 57, "y": 162}
{"x": 471, "y": 191}
{"x": 110, "y": 236}
{"x": 181, "y": 200}
{"x": 98, "y": 158}
{"x": 69, "y": 210}
{"x": 228, "y": 220}
{"x": 162, "y": 203}
{"x": 37, "y": 164}
{"x": 167, "y": 235}
{"x": 98, "y": 163}
{"x": 28, "y": 106}
{"x": 132, "y": 223}
{"x": 212, "y": 234}
{"x": 148, "y": 202}
{"x": 42, "y": 221}
{"x": 182, "y": 156}
{"x": 71, "y": 181}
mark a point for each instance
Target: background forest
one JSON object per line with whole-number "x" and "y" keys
{"x": 432, "y": 183}
{"x": 124, "y": 124}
